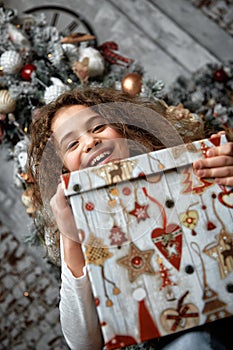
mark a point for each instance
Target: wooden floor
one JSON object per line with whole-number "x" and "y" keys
{"x": 167, "y": 37}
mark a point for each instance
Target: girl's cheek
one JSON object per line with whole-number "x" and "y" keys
{"x": 72, "y": 162}
{"x": 111, "y": 133}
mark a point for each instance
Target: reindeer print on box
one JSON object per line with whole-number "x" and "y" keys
{"x": 157, "y": 242}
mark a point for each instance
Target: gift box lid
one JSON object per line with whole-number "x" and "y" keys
{"x": 145, "y": 165}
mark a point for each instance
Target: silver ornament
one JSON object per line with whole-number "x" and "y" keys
{"x": 54, "y": 90}
{"x": 11, "y": 62}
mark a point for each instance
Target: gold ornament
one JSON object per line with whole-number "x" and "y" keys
{"x": 132, "y": 84}
{"x": 7, "y": 103}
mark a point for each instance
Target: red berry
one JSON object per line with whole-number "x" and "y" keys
{"x": 26, "y": 72}
{"x": 220, "y": 75}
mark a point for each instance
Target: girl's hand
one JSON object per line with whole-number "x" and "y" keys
{"x": 218, "y": 164}
{"x": 62, "y": 212}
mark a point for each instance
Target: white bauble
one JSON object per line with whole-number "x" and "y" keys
{"x": 7, "y": 103}
{"x": 96, "y": 61}
{"x": 54, "y": 90}
{"x": 11, "y": 62}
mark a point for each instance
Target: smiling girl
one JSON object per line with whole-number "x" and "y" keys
{"x": 83, "y": 137}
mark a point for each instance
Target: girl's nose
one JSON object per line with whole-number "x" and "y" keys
{"x": 89, "y": 142}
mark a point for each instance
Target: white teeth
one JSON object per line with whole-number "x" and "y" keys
{"x": 100, "y": 158}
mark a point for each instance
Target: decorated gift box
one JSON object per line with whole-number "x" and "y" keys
{"x": 158, "y": 243}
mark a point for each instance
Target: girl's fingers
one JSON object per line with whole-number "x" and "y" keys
{"x": 223, "y": 175}
{"x": 212, "y": 163}
{"x": 219, "y": 162}
{"x": 225, "y": 181}
{"x": 224, "y": 150}
{"x": 215, "y": 172}
{"x": 218, "y": 165}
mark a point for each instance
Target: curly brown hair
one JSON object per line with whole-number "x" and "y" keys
{"x": 135, "y": 118}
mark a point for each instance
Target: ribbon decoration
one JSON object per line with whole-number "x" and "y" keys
{"x": 107, "y": 51}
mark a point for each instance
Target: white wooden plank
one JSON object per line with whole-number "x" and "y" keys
{"x": 167, "y": 37}
{"x": 135, "y": 44}
{"x": 199, "y": 26}
{"x": 164, "y": 32}
{"x": 110, "y": 24}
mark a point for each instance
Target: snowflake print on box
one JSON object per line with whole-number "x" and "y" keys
{"x": 140, "y": 212}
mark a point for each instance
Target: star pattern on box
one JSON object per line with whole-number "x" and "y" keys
{"x": 140, "y": 212}
{"x": 137, "y": 262}
{"x": 96, "y": 252}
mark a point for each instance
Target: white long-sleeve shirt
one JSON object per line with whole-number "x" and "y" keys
{"x": 79, "y": 320}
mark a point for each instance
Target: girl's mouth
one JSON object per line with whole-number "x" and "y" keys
{"x": 100, "y": 158}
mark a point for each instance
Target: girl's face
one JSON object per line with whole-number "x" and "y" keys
{"x": 85, "y": 139}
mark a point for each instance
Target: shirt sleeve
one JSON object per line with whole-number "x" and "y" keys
{"x": 79, "y": 320}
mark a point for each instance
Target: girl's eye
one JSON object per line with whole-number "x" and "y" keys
{"x": 72, "y": 144}
{"x": 99, "y": 128}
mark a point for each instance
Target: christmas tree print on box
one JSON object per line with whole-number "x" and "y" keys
{"x": 157, "y": 243}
